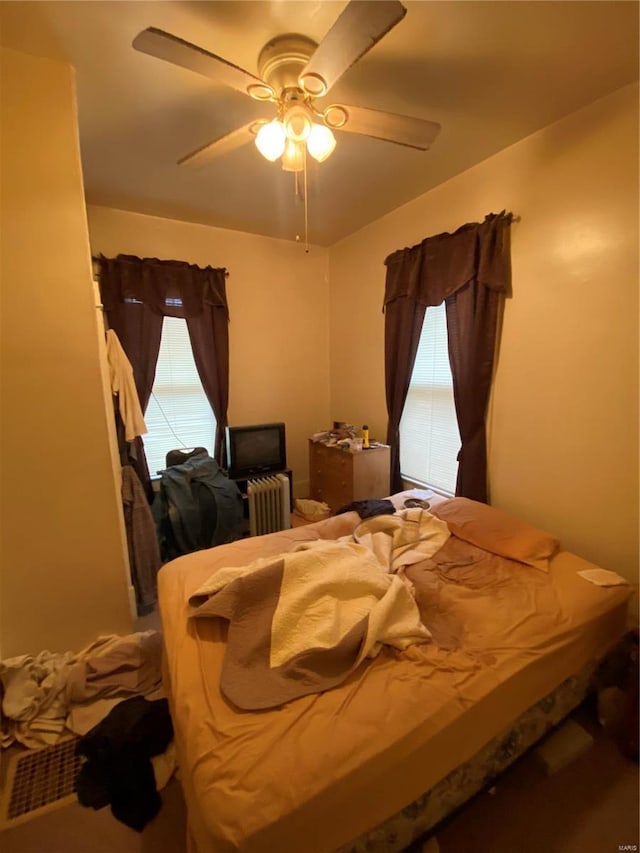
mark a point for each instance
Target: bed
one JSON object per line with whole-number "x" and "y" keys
{"x": 405, "y": 736}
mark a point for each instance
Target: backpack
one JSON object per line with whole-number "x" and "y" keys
{"x": 197, "y": 507}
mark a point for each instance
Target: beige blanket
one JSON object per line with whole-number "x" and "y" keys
{"x": 302, "y": 621}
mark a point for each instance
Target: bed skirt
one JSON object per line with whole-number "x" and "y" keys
{"x": 400, "y": 830}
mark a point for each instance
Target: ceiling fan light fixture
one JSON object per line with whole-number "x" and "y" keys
{"x": 335, "y": 116}
{"x": 293, "y": 157}
{"x": 260, "y": 92}
{"x": 313, "y": 84}
{"x": 270, "y": 140}
{"x": 297, "y": 124}
{"x": 321, "y": 142}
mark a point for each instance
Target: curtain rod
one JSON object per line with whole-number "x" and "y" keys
{"x": 512, "y": 217}
{"x": 97, "y": 258}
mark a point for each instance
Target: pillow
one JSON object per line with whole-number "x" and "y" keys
{"x": 494, "y": 530}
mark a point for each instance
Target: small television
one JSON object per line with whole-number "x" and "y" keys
{"x": 255, "y": 449}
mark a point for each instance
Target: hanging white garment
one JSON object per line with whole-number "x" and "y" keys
{"x": 123, "y": 384}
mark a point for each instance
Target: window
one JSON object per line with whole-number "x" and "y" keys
{"x": 178, "y": 414}
{"x": 429, "y": 437}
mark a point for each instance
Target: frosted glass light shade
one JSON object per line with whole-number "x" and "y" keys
{"x": 293, "y": 157}
{"x": 321, "y": 142}
{"x": 297, "y": 124}
{"x": 270, "y": 140}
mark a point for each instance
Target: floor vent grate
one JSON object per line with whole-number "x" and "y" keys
{"x": 39, "y": 780}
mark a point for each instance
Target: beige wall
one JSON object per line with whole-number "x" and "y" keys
{"x": 564, "y": 419}
{"x": 279, "y": 317}
{"x": 63, "y": 572}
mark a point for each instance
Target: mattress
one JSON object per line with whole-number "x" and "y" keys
{"x": 320, "y": 771}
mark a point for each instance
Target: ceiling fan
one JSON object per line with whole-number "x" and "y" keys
{"x": 293, "y": 72}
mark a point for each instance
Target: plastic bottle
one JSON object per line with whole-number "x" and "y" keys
{"x": 365, "y": 437}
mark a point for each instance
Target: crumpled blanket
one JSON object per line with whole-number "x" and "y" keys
{"x": 302, "y": 621}
{"x": 402, "y": 539}
{"x": 48, "y": 694}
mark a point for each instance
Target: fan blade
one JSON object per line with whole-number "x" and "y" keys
{"x": 222, "y": 145}
{"x": 172, "y": 49}
{"x": 403, "y": 130}
{"x": 360, "y": 26}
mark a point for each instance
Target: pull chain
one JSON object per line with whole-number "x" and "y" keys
{"x": 304, "y": 192}
{"x": 306, "y": 208}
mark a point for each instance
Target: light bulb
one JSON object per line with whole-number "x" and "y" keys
{"x": 297, "y": 123}
{"x": 321, "y": 142}
{"x": 293, "y": 157}
{"x": 270, "y": 140}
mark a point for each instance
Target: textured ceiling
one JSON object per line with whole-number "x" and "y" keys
{"x": 490, "y": 73}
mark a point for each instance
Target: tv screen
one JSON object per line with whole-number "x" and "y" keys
{"x": 255, "y": 449}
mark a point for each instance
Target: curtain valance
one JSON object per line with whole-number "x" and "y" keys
{"x": 168, "y": 288}
{"x": 439, "y": 266}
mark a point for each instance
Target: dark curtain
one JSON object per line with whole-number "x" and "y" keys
{"x": 469, "y": 270}
{"x": 403, "y": 324}
{"x": 137, "y": 293}
{"x": 209, "y": 334}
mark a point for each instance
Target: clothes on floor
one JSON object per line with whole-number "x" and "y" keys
{"x": 33, "y": 704}
{"x": 49, "y": 694}
{"x": 118, "y": 770}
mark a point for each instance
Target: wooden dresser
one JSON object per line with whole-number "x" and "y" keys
{"x": 339, "y": 477}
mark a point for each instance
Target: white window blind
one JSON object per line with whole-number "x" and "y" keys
{"x": 429, "y": 436}
{"x": 178, "y": 414}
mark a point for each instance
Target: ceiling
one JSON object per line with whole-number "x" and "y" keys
{"x": 490, "y": 73}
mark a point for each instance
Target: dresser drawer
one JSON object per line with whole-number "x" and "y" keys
{"x": 339, "y": 477}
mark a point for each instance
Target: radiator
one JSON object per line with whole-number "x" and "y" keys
{"x": 269, "y": 504}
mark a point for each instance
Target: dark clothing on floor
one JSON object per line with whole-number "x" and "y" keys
{"x": 119, "y": 770}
